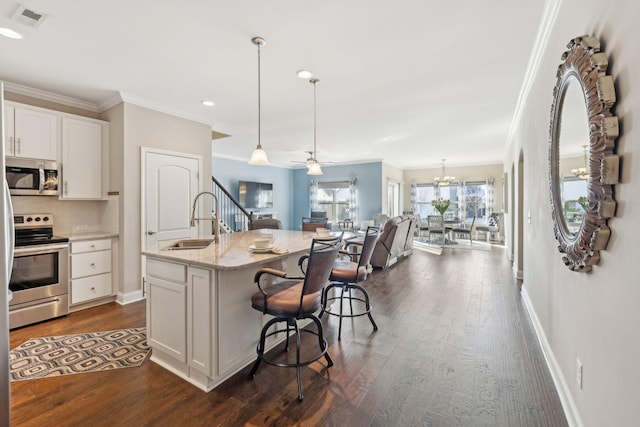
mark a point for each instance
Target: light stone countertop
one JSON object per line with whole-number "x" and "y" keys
{"x": 88, "y": 235}
{"x": 233, "y": 253}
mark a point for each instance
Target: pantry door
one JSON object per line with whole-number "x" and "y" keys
{"x": 170, "y": 183}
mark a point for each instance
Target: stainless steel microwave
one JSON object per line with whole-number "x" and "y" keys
{"x": 32, "y": 177}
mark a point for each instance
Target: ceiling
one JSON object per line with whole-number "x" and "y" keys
{"x": 408, "y": 82}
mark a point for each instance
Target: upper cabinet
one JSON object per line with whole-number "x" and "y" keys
{"x": 31, "y": 132}
{"x": 79, "y": 144}
{"x": 84, "y": 158}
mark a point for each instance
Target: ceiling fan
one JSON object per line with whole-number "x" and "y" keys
{"x": 309, "y": 160}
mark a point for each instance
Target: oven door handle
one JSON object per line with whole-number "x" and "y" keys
{"x": 39, "y": 249}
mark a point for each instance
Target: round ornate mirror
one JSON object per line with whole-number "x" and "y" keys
{"x": 582, "y": 165}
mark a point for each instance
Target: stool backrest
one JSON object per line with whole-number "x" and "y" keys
{"x": 321, "y": 258}
{"x": 370, "y": 238}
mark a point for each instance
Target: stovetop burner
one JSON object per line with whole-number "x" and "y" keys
{"x": 35, "y": 229}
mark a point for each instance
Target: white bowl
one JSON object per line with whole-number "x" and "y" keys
{"x": 262, "y": 243}
{"x": 323, "y": 232}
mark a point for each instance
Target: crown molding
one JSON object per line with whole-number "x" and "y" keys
{"x": 551, "y": 10}
{"x": 50, "y": 96}
{"x": 130, "y": 99}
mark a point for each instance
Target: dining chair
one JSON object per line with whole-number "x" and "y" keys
{"x": 463, "y": 230}
{"x": 435, "y": 225}
{"x": 311, "y": 224}
{"x": 270, "y": 223}
{"x": 294, "y": 299}
{"x": 347, "y": 275}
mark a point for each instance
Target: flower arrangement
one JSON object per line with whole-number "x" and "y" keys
{"x": 582, "y": 200}
{"x": 441, "y": 205}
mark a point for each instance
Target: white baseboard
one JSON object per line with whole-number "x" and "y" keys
{"x": 568, "y": 404}
{"x": 129, "y": 297}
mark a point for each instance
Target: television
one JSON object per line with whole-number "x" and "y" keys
{"x": 255, "y": 195}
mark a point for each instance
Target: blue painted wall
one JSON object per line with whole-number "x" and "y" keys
{"x": 291, "y": 186}
{"x": 368, "y": 183}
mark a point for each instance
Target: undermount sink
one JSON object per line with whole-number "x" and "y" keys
{"x": 189, "y": 244}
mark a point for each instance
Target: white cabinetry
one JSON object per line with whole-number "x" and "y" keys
{"x": 84, "y": 158}
{"x": 180, "y": 320}
{"x": 90, "y": 270}
{"x": 30, "y": 132}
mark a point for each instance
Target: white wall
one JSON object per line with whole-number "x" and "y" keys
{"x": 594, "y": 316}
{"x": 132, "y": 128}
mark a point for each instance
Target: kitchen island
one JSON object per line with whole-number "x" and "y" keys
{"x": 200, "y": 323}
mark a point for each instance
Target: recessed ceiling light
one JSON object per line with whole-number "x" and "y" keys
{"x": 7, "y": 32}
{"x": 304, "y": 74}
{"x": 208, "y": 103}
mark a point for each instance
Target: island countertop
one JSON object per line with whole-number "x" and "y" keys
{"x": 233, "y": 253}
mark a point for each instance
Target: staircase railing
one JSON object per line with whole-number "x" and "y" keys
{"x": 231, "y": 211}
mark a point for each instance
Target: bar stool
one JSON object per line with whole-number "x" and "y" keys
{"x": 294, "y": 299}
{"x": 347, "y": 276}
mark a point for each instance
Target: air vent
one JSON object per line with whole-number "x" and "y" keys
{"x": 28, "y": 17}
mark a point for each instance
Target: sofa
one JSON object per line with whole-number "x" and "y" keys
{"x": 395, "y": 242}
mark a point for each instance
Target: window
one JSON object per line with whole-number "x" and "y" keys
{"x": 475, "y": 201}
{"x": 450, "y": 192}
{"x": 472, "y": 196}
{"x": 426, "y": 193}
{"x": 333, "y": 198}
{"x": 393, "y": 198}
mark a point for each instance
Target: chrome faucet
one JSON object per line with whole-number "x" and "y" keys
{"x": 216, "y": 224}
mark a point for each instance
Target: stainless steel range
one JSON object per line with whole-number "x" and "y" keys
{"x": 40, "y": 276}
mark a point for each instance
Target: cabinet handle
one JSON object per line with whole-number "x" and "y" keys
{"x": 66, "y": 192}
{"x": 92, "y": 265}
{"x": 93, "y": 288}
{"x": 18, "y": 145}
{"x": 151, "y": 233}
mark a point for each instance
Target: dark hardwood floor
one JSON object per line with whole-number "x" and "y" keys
{"x": 454, "y": 347}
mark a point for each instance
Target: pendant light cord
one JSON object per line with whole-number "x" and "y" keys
{"x": 314, "y": 122}
{"x": 259, "y": 100}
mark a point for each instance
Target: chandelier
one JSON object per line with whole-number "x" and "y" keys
{"x": 259, "y": 156}
{"x": 313, "y": 165}
{"x": 444, "y": 179}
{"x": 583, "y": 172}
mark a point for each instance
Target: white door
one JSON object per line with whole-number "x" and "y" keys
{"x": 169, "y": 185}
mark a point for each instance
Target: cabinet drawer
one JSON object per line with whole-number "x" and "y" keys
{"x": 89, "y": 288}
{"x": 90, "y": 264}
{"x": 90, "y": 245}
{"x": 167, "y": 270}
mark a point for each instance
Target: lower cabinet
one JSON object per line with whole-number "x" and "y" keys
{"x": 90, "y": 270}
{"x": 200, "y": 323}
{"x": 180, "y": 318}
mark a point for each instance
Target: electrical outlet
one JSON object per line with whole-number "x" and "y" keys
{"x": 579, "y": 372}
{"x": 80, "y": 228}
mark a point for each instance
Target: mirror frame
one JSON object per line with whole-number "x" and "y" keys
{"x": 584, "y": 61}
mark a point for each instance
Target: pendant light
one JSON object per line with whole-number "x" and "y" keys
{"x": 444, "y": 179}
{"x": 259, "y": 156}
{"x": 582, "y": 172}
{"x": 314, "y": 166}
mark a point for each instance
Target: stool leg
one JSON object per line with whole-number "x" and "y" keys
{"x": 321, "y": 340}
{"x": 298, "y": 366}
{"x": 340, "y": 316}
{"x": 367, "y": 305}
{"x": 261, "y": 344}
{"x": 350, "y": 299}
{"x": 325, "y": 297}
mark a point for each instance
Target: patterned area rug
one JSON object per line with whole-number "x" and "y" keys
{"x": 75, "y": 354}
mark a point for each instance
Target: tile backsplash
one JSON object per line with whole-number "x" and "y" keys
{"x": 72, "y": 215}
